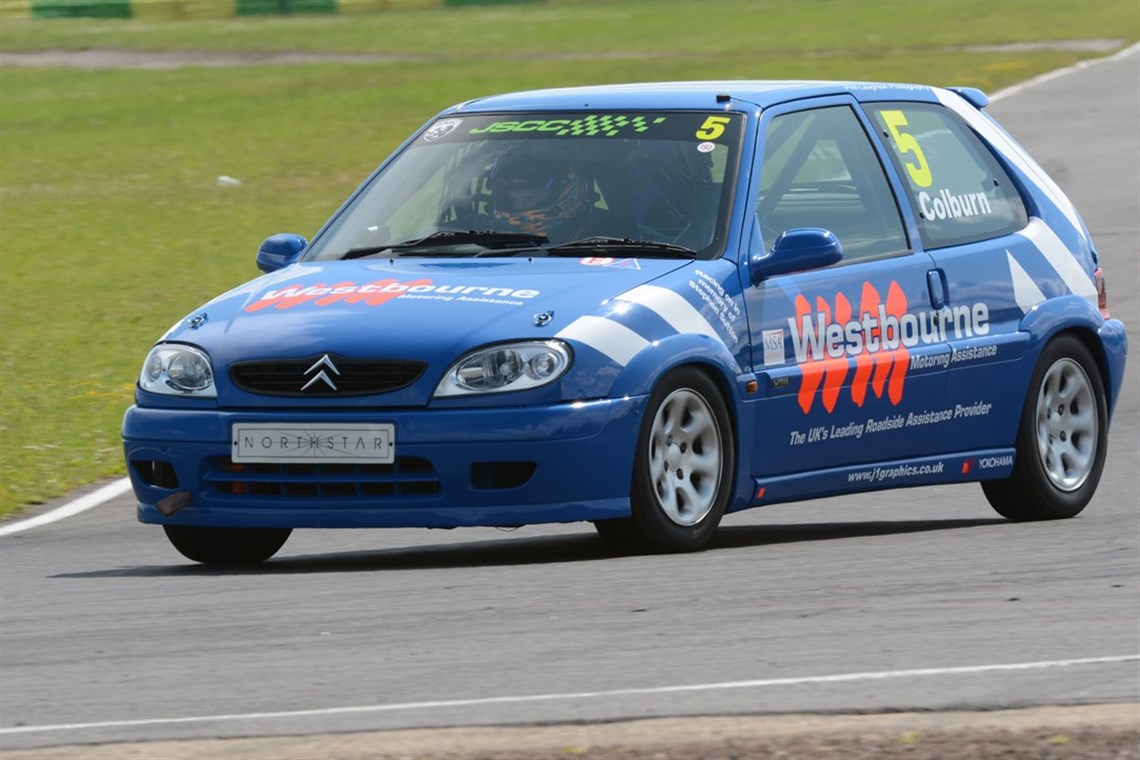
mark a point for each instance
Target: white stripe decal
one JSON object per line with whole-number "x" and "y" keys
{"x": 673, "y": 308}
{"x": 1025, "y": 290}
{"x": 614, "y": 340}
{"x": 1011, "y": 150}
{"x": 1061, "y": 258}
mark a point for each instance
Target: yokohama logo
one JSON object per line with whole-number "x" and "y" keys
{"x": 875, "y": 341}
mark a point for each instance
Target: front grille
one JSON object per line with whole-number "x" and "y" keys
{"x": 301, "y": 377}
{"x": 408, "y": 478}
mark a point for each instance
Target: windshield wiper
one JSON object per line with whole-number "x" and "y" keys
{"x": 442, "y": 238}
{"x": 602, "y": 242}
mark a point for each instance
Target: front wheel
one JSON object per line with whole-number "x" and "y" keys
{"x": 1062, "y": 440}
{"x": 683, "y": 468}
{"x": 226, "y": 546}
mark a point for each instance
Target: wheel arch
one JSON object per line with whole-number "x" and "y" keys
{"x": 1052, "y": 479}
{"x": 1105, "y": 339}
{"x": 711, "y": 358}
{"x": 1089, "y": 340}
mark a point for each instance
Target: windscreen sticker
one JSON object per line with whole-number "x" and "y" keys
{"x": 441, "y": 129}
{"x": 382, "y": 291}
{"x": 607, "y": 125}
{"x": 713, "y": 127}
{"x": 712, "y": 130}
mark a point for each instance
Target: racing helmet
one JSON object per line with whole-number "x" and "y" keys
{"x": 531, "y": 192}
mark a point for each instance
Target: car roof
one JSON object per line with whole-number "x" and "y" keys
{"x": 709, "y": 95}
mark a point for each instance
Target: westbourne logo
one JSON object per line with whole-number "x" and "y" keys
{"x": 380, "y": 292}
{"x": 875, "y": 340}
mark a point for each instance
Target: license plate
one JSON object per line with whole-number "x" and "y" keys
{"x": 348, "y": 443}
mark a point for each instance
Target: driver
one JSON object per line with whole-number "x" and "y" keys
{"x": 540, "y": 195}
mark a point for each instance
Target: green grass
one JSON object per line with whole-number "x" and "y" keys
{"x": 112, "y": 225}
{"x": 706, "y": 29}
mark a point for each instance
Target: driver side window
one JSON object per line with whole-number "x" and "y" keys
{"x": 820, "y": 171}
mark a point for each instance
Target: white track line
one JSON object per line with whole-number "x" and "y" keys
{"x": 82, "y": 504}
{"x": 1058, "y": 73}
{"x": 532, "y": 698}
{"x": 120, "y": 487}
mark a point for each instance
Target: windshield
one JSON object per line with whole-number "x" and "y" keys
{"x": 540, "y": 181}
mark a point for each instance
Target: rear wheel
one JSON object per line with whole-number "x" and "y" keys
{"x": 1062, "y": 439}
{"x": 227, "y": 546}
{"x": 683, "y": 468}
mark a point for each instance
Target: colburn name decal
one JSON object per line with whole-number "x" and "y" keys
{"x": 875, "y": 340}
{"x": 379, "y": 292}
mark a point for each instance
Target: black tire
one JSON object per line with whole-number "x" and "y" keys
{"x": 227, "y": 546}
{"x": 1061, "y": 441}
{"x": 682, "y": 471}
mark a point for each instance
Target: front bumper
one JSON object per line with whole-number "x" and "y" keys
{"x": 454, "y": 467}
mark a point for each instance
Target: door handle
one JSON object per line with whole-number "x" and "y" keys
{"x": 936, "y": 284}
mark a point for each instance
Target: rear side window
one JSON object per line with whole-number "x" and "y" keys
{"x": 958, "y": 189}
{"x": 821, "y": 171}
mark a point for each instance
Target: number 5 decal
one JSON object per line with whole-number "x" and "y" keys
{"x": 918, "y": 169}
{"x": 713, "y": 127}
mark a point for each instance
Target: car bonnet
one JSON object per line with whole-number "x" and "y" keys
{"x": 418, "y": 310}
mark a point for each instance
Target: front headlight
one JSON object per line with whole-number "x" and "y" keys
{"x": 506, "y": 367}
{"x": 178, "y": 370}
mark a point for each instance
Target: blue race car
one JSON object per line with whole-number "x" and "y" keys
{"x": 645, "y": 306}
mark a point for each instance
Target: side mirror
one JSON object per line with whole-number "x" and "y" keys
{"x": 797, "y": 250}
{"x": 279, "y": 251}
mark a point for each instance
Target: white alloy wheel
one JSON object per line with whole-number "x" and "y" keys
{"x": 1061, "y": 440}
{"x": 1067, "y": 425}
{"x": 685, "y": 451}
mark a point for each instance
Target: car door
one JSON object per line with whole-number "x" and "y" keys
{"x": 973, "y": 223}
{"x": 850, "y": 362}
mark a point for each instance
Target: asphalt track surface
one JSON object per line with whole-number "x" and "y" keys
{"x": 901, "y": 600}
